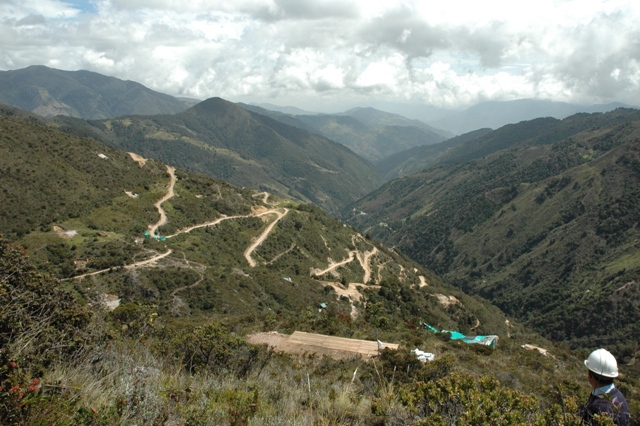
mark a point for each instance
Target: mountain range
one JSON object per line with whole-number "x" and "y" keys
{"x": 370, "y": 133}
{"x": 495, "y": 114}
{"x": 49, "y": 92}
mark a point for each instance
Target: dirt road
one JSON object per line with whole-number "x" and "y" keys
{"x": 131, "y": 266}
{"x": 333, "y": 265}
{"x": 203, "y": 225}
{"x": 263, "y": 236}
{"x": 364, "y": 258}
{"x": 264, "y": 194}
{"x": 158, "y": 204}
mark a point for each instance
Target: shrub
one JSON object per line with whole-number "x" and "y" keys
{"x": 212, "y": 347}
{"x": 39, "y": 322}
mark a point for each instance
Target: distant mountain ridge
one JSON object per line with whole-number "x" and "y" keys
{"x": 370, "y": 133}
{"x": 495, "y": 114}
{"x": 84, "y": 94}
{"x": 223, "y": 140}
{"x": 376, "y": 118}
{"x": 416, "y": 159}
{"x": 290, "y": 110}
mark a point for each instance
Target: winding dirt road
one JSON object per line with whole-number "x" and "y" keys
{"x": 263, "y": 236}
{"x": 158, "y": 204}
{"x": 334, "y": 265}
{"x": 131, "y": 266}
{"x": 352, "y": 291}
{"x": 265, "y": 196}
{"x": 204, "y": 225}
{"x": 364, "y": 258}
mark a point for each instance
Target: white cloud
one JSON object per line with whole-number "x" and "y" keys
{"x": 327, "y": 52}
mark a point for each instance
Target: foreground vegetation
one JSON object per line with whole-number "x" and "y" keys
{"x": 69, "y": 362}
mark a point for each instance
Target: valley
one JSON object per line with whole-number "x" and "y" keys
{"x": 524, "y": 216}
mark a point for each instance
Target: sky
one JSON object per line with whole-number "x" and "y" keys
{"x": 326, "y": 55}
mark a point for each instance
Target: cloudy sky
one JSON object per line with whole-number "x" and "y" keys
{"x": 326, "y": 54}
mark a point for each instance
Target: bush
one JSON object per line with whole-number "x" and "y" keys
{"x": 212, "y": 347}
{"x": 39, "y": 322}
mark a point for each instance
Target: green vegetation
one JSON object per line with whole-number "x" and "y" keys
{"x": 540, "y": 218}
{"x": 133, "y": 365}
{"x": 48, "y": 177}
{"x": 419, "y": 158}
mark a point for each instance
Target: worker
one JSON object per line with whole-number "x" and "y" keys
{"x": 606, "y": 399}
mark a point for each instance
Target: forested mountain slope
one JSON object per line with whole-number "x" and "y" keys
{"x": 225, "y": 141}
{"x": 49, "y": 92}
{"x": 540, "y": 218}
{"x": 420, "y": 157}
{"x": 372, "y": 134}
{"x": 481, "y": 142}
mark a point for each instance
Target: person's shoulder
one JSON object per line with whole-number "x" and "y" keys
{"x": 616, "y": 394}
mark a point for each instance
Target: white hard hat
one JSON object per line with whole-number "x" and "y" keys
{"x": 602, "y": 362}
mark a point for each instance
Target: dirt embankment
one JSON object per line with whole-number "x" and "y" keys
{"x": 138, "y": 159}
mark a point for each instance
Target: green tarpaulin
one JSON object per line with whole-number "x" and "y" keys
{"x": 489, "y": 340}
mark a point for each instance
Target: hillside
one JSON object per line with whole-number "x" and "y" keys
{"x": 543, "y": 226}
{"x": 479, "y": 143}
{"x": 225, "y": 141}
{"x": 373, "y": 117}
{"x": 372, "y": 139}
{"x": 49, "y": 92}
{"x": 149, "y": 330}
{"x": 372, "y": 134}
{"x": 419, "y": 158}
{"x": 69, "y": 198}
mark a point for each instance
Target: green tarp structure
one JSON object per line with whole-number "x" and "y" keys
{"x": 489, "y": 340}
